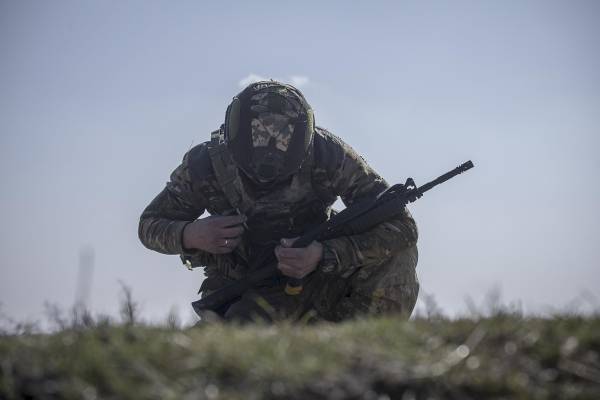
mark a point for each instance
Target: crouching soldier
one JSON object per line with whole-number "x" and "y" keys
{"x": 265, "y": 177}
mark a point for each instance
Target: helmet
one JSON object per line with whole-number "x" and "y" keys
{"x": 269, "y": 128}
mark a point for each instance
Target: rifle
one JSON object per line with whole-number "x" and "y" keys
{"x": 359, "y": 217}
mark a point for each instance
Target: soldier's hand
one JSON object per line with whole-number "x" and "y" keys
{"x": 214, "y": 234}
{"x": 298, "y": 262}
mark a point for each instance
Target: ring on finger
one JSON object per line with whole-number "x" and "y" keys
{"x": 226, "y": 242}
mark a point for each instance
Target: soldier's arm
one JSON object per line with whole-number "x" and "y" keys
{"x": 178, "y": 204}
{"x": 353, "y": 179}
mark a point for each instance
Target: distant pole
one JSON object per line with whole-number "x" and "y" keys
{"x": 84, "y": 277}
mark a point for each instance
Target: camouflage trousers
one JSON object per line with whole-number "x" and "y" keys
{"x": 388, "y": 288}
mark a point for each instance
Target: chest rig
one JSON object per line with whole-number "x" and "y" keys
{"x": 283, "y": 211}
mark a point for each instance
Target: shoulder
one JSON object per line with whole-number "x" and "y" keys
{"x": 197, "y": 162}
{"x": 195, "y": 176}
{"x": 326, "y": 140}
{"x": 331, "y": 151}
{"x": 330, "y": 155}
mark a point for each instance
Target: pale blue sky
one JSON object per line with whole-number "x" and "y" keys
{"x": 100, "y": 100}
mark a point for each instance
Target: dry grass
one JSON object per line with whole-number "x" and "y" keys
{"x": 502, "y": 356}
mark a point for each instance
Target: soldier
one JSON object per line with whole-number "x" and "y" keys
{"x": 268, "y": 175}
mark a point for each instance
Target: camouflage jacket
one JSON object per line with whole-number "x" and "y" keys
{"x": 287, "y": 210}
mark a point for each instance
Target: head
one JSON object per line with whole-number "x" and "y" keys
{"x": 269, "y": 128}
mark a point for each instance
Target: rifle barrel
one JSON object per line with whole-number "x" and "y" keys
{"x": 443, "y": 178}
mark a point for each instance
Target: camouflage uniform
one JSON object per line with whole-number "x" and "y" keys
{"x": 374, "y": 271}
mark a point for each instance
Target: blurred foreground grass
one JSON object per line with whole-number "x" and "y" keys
{"x": 504, "y": 356}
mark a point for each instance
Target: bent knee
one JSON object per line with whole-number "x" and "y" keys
{"x": 400, "y": 299}
{"x": 391, "y": 287}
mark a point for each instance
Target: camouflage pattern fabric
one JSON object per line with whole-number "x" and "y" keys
{"x": 275, "y": 114}
{"x": 375, "y": 270}
{"x": 388, "y": 288}
{"x": 287, "y": 103}
{"x": 270, "y": 126}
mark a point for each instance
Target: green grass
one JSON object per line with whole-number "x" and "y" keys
{"x": 500, "y": 357}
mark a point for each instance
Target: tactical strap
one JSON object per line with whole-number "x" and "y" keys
{"x": 225, "y": 169}
{"x": 306, "y": 167}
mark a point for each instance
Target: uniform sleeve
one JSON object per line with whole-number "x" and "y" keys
{"x": 353, "y": 179}
{"x": 162, "y": 222}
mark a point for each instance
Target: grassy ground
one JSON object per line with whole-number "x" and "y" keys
{"x": 499, "y": 357}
